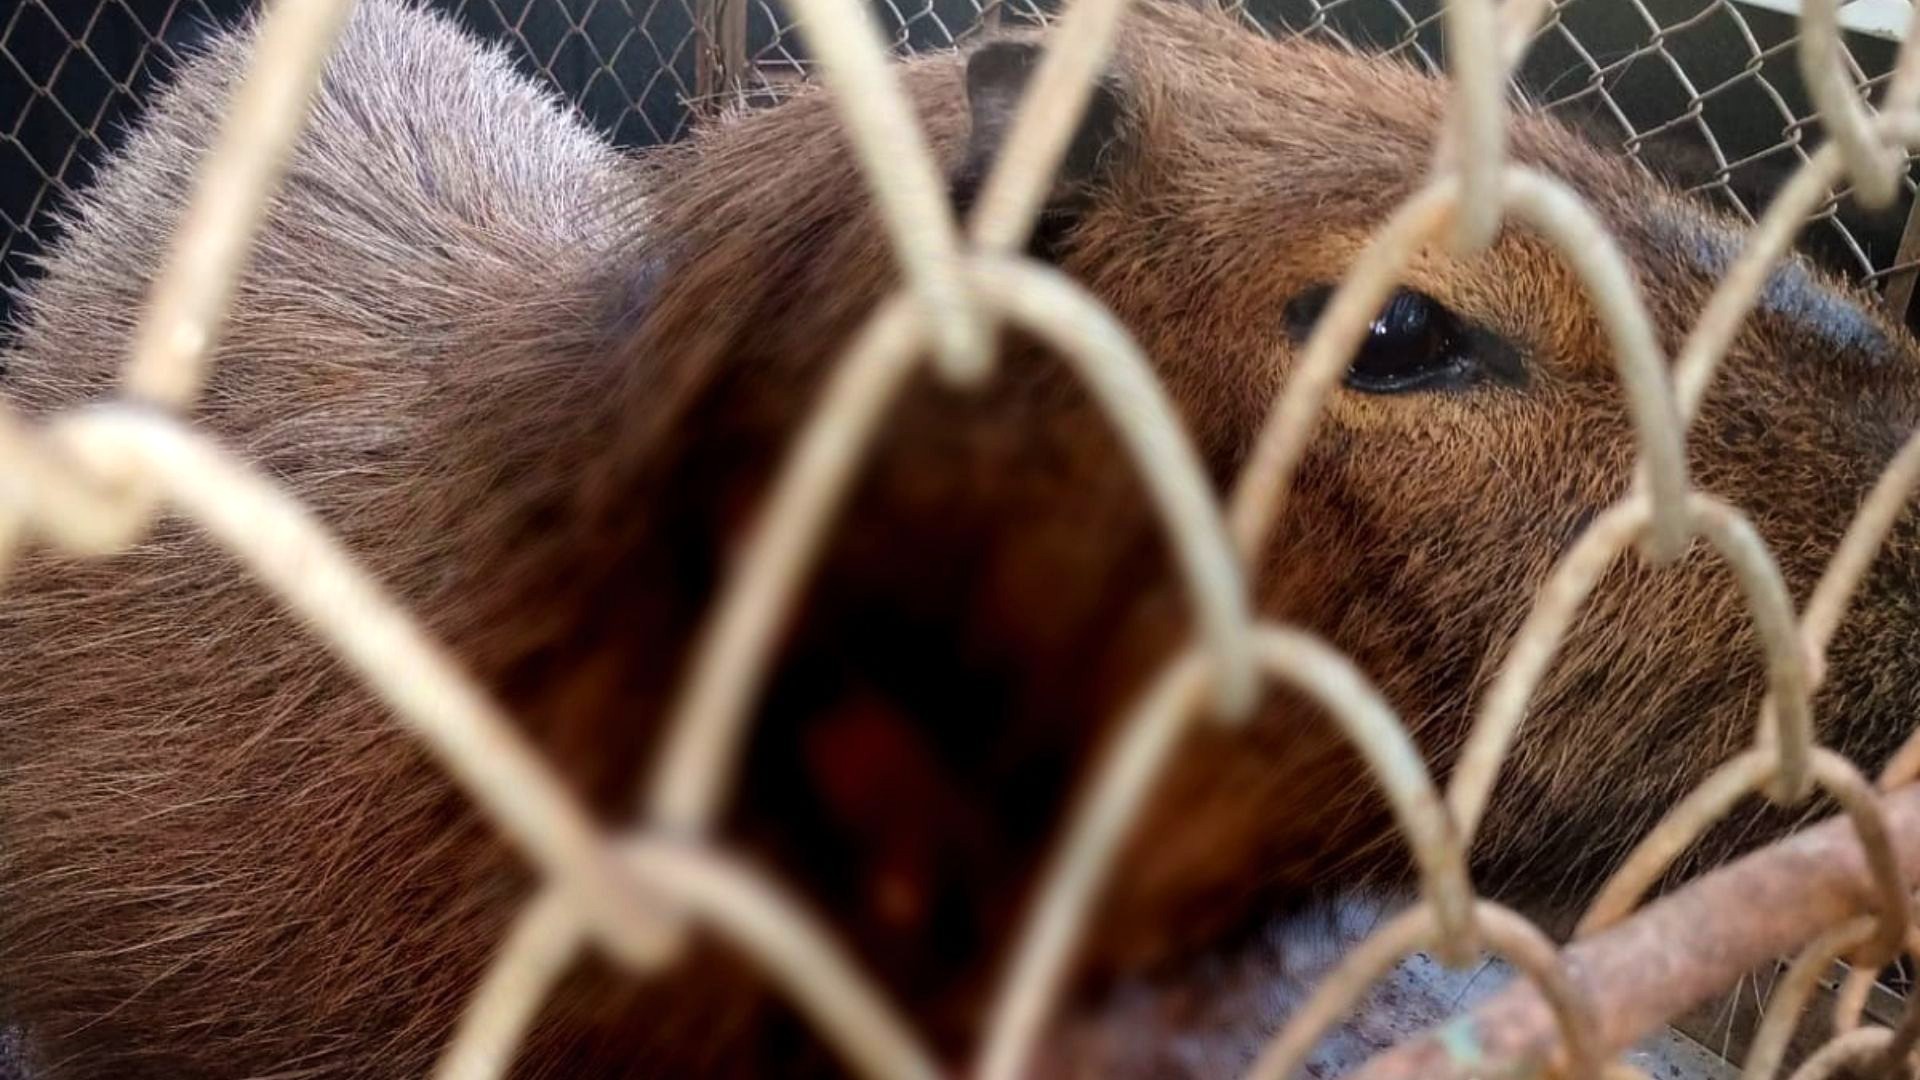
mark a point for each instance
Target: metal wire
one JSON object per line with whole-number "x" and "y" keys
{"x": 1713, "y": 78}
{"x": 91, "y": 480}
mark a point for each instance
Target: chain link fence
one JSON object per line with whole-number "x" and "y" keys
{"x": 73, "y": 74}
{"x": 1704, "y": 92}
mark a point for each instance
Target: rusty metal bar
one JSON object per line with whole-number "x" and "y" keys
{"x": 720, "y": 68}
{"x": 1898, "y": 292}
{"x": 1678, "y": 951}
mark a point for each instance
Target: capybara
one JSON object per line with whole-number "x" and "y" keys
{"x": 539, "y": 387}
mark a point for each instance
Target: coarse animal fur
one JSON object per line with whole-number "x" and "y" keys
{"x": 538, "y": 388}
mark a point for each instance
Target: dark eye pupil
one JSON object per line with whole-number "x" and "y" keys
{"x": 1414, "y": 342}
{"x": 1406, "y": 343}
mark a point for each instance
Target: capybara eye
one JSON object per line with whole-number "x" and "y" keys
{"x": 1415, "y": 343}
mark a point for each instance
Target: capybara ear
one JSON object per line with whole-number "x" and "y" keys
{"x": 997, "y": 77}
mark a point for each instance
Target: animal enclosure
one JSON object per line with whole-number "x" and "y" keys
{"x": 86, "y": 483}
{"x": 1707, "y": 91}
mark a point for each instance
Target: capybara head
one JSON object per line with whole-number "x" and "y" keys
{"x": 539, "y": 388}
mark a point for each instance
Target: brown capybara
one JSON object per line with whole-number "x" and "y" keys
{"x": 539, "y": 387}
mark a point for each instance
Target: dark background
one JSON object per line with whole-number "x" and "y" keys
{"x": 1701, "y": 75}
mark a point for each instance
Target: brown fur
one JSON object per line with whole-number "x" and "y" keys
{"x": 538, "y": 388}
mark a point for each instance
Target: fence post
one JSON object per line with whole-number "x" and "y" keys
{"x": 1899, "y": 284}
{"x": 721, "y": 68}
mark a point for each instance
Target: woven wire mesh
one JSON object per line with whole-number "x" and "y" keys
{"x": 1678, "y": 98}
{"x": 1704, "y": 92}
{"x": 73, "y": 76}
{"x": 69, "y": 74}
